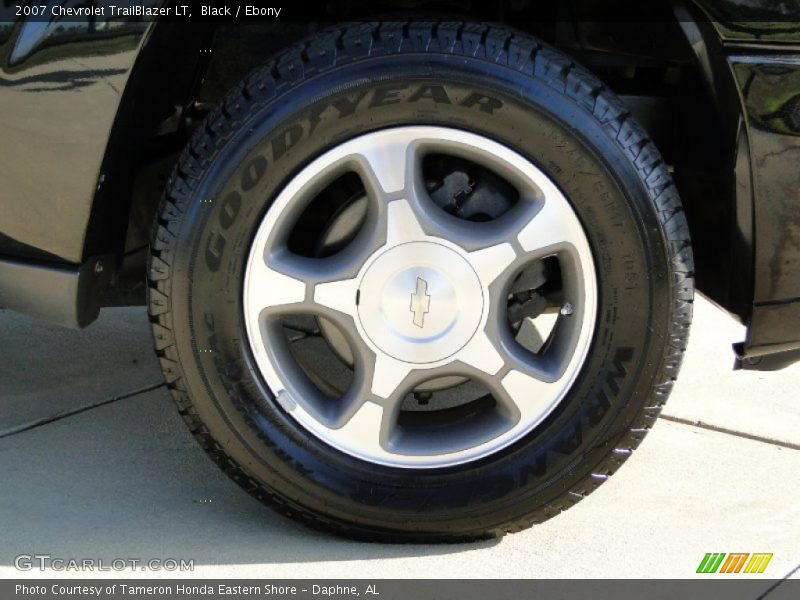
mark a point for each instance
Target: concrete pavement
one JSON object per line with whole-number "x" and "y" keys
{"x": 125, "y": 479}
{"x": 49, "y": 370}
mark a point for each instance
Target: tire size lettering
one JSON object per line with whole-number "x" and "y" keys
{"x": 631, "y": 274}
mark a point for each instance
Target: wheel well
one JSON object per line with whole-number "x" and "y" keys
{"x": 650, "y": 65}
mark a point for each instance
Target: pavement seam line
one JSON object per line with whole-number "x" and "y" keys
{"x": 733, "y": 432}
{"x": 781, "y": 581}
{"x": 69, "y": 413}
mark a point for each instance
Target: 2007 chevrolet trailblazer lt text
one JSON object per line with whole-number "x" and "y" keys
{"x": 418, "y": 278}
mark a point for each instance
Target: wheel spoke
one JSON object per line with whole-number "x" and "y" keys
{"x": 552, "y": 226}
{"x": 490, "y": 262}
{"x": 402, "y": 224}
{"x": 526, "y": 394}
{"x": 523, "y": 389}
{"x": 482, "y": 354}
{"x": 284, "y": 279}
{"x": 364, "y": 429}
{"x": 388, "y": 166}
{"x": 338, "y": 295}
{"x": 387, "y": 375}
{"x": 371, "y": 405}
{"x": 276, "y": 288}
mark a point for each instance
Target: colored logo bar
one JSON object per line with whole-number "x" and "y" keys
{"x": 736, "y": 562}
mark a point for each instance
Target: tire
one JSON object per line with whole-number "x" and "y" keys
{"x": 509, "y": 89}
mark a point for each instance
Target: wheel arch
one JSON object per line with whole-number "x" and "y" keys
{"x": 144, "y": 132}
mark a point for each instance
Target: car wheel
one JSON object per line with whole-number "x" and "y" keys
{"x": 420, "y": 282}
